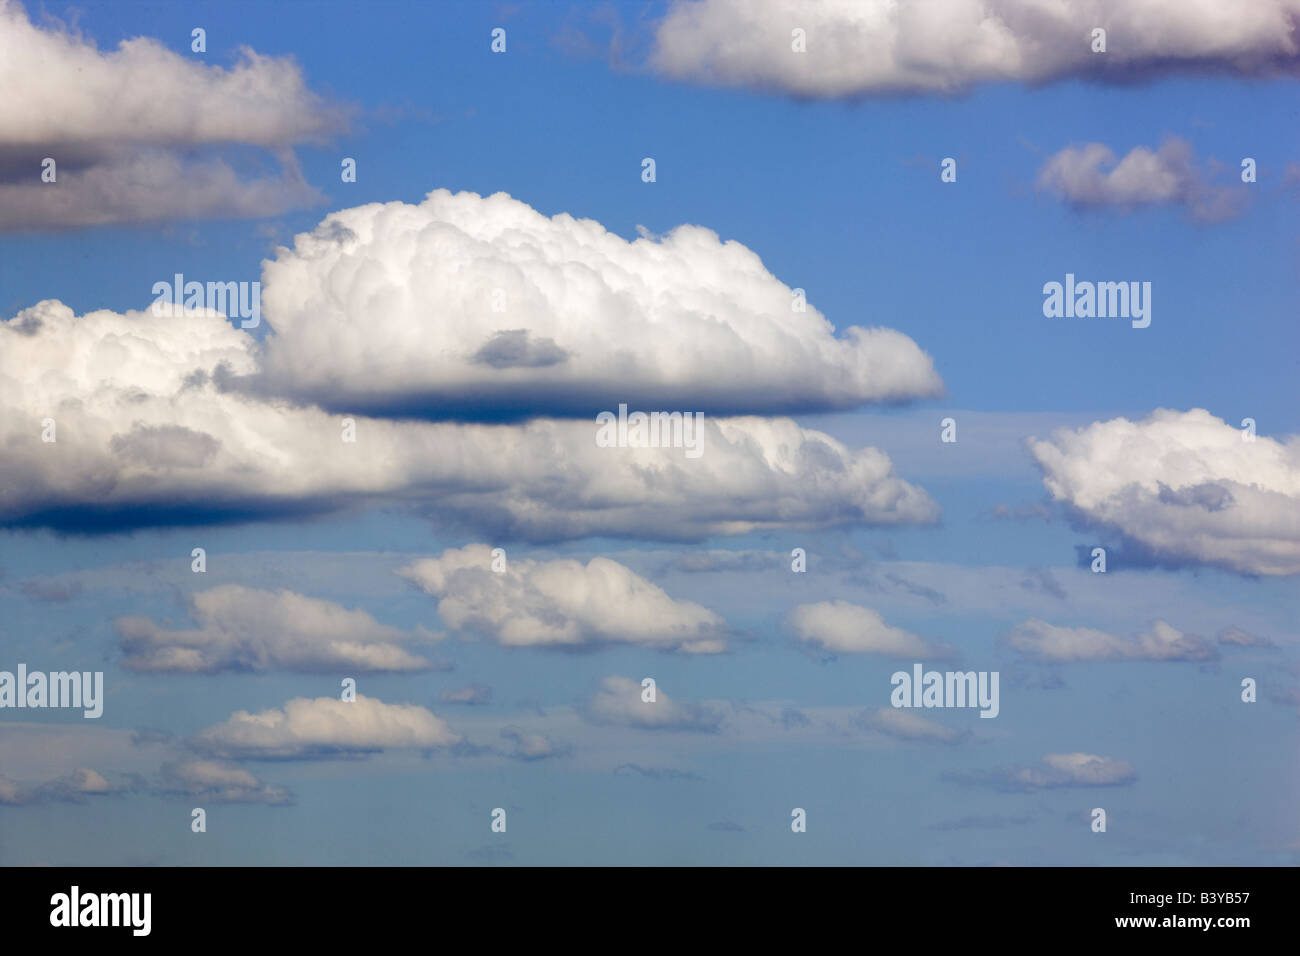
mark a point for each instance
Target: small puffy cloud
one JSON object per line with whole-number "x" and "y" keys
{"x": 246, "y": 629}
{"x": 864, "y": 47}
{"x": 1090, "y": 176}
{"x": 148, "y": 434}
{"x": 904, "y": 725}
{"x": 473, "y": 695}
{"x": 1184, "y": 486}
{"x": 72, "y": 788}
{"x": 562, "y": 603}
{"x": 128, "y": 128}
{"x": 844, "y": 628}
{"x": 222, "y": 782}
{"x": 1236, "y": 637}
{"x": 481, "y": 307}
{"x": 1161, "y": 642}
{"x": 526, "y": 745}
{"x": 1055, "y": 772}
{"x": 619, "y": 702}
{"x": 324, "y": 727}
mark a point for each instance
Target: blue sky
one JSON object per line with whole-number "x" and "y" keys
{"x": 839, "y": 195}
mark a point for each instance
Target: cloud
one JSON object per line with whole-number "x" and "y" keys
{"x": 907, "y": 726}
{"x": 619, "y": 702}
{"x": 466, "y": 306}
{"x": 844, "y": 628}
{"x": 1057, "y": 771}
{"x": 222, "y": 782}
{"x": 324, "y": 727}
{"x": 1090, "y": 177}
{"x": 245, "y": 629}
{"x": 147, "y": 434}
{"x": 872, "y": 47}
{"x": 473, "y": 695}
{"x": 530, "y": 746}
{"x": 562, "y": 603}
{"x": 1236, "y": 637}
{"x": 133, "y": 131}
{"x": 1046, "y": 642}
{"x": 1184, "y": 486}
{"x": 72, "y": 788}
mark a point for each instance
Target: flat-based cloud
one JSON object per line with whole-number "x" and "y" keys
{"x": 246, "y": 629}
{"x": 619, "y": 702}
{"x": 321, "y": 728}
{"x": 1186, "y": 487}
{"x": 1056, "y": 771}
{"x": 112, "y": 422}
{"x": 470, "y": 306}
{"x": 72, "y": 788}
{"x": 1161, "y": 642}
{"x": 562, "y": 603}
{"x": 222, "y": 782}
{"x": 864, "y": 47}
{"x": 844, "y": 628}
{"x": 134, "y": 132}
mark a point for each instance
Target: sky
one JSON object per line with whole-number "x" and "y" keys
{"x": 840, "y": 261}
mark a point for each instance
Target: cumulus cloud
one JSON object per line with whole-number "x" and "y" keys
{"x": 905, "y": 725}
{"x": 1184, "y": 486}
{"x": 72, "y": 788}
{"x": 619, "y": 702}
{"x": 245, "y": 629}
{"x": 1056, "y": 771}
{"x": 1162, "y": 642}
{"x": 222, "y": 782}
{"x": 562, "y": 603}
{"x": 844, "y": 628}
{"x": 466, "y": 306}
{"x": 147, "y": 435}
{"x": 324, "y": 727}
{"x": 863, "y": 47}
{"x": 526, "y": 745}
{"x": 1089, "y": 176}
{"x": 122, "y": 127}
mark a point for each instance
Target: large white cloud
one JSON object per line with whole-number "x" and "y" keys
{"x": 324, "y": 727}
{"x": 121, "y": 126}
{"x": 393, "y": 308}
{"x": 241, "y": 628}
{"x": 562, "y": 603}
{"x": 857, "y": 47}
{"x": 1161, "y": 642}
{"x": 844, "y": 628}
{"x": 146, "y": 434}
{"x": 1185, "y": 486}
